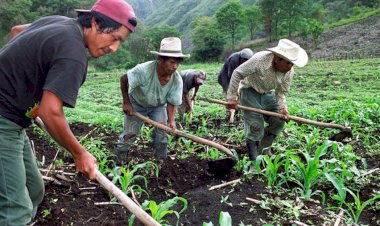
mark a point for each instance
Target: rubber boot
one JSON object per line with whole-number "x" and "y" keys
{"x": 266, "y": 143}
{"x": 252, "y": 149}
{"x": 121, "y": 152}
{"x": 160, "y": 152}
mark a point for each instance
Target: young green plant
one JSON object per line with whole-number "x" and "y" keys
{"x": 161, "y": 211}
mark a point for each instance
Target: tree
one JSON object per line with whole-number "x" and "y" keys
{"x": 207, "y": 40}
{"x": 14, "y": 12}
{"x": 271, "y": 11}
{"x": 140, "y": 43}
{"x": 229, "y": 17}
{"x": 253, "y": 15}
{"x": 292, "y": 13}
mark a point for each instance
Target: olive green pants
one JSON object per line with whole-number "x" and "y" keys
{"x": 254, "y": 122}
{"x": 21, "y": 183}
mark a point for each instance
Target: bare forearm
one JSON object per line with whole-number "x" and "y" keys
{"x": 51, "y": 112}
{"x": 186, "y": 99}
{"x": 171, "y": 113}
{"x": 124, "y": 86}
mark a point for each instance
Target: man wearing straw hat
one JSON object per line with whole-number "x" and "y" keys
{"x": 232, "y": 62}
{"x": 153, "y": 89}
{"x": 266, "y": 79}
{"x": 41, "y": 70}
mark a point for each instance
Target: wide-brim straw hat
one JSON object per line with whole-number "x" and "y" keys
{"x": 291, "y": 52}
{"x": 171, "y": 47}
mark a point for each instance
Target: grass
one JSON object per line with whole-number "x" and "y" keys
{"x": 354, "y": 18}
{"x": 317, "y": 86}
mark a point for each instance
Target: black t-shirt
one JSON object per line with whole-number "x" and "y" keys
{"x": 49, "y": 55}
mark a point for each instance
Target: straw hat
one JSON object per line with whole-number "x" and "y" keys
{"x": 171, "y": 47}
{"x": 290, "y": 51}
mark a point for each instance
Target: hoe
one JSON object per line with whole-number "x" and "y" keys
{"x": 143, "y": 216}
{"x": 218, "y": 167}
{"x": 345, "y": 131}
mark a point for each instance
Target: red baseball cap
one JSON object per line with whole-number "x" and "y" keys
{"x": 118, "y": 10}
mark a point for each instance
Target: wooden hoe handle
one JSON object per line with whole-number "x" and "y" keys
{"x": 270, "y": 113}
{"x": 183, "y": 134}
{"x": 143, "y": 216}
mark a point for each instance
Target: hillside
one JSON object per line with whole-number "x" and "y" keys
{"x": 356, "y": 40}
{"x": 177, "y": 13}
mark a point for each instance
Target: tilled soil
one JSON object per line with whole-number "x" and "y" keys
{"x": 77, "y": 201}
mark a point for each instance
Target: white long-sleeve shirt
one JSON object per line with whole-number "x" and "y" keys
{"x": 258, "y": 73}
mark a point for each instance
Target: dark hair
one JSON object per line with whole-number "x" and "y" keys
{"x": 106, "y": 24}
{"x": 164, "y": 58}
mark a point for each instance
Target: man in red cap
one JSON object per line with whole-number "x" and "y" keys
{"x": 42, "y": 68}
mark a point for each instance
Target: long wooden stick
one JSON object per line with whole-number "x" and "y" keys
{"x": 143, "y": 216}
{"x": 269, "y": 113}
{"x": 339, "y": 218}
{"x": 183, "y": 134}
{"x": 224, "y": 184}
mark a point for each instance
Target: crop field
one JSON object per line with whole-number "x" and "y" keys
{"x": 310, "y": 180}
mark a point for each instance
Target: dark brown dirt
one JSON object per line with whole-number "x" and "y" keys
{"x": 73, "y": 202}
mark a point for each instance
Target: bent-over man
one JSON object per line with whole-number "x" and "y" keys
{"x": 265, "y": 80}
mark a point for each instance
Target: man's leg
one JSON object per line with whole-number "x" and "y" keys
{"x": 16, "y": 206}
{"x": 160, "y": 138}
{"x": 253, "y": 122}
{"x": 275, "y": 124}
{"x": 131, "y": 129}
{"x": 34, "y": 181}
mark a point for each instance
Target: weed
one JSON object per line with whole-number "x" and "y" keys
{"x": 224, "y": 199}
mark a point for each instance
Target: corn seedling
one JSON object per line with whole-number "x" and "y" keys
{"x": 224, "y": 199}
{"x": 308, "y": 173}
{"x": 146, "y": 133}
{"x": 272, "y": 165}
{"x": 202, "y": 130}
{"x": 186, "y": 144}
{"x": 128, "y": 177}
{"x": 103, "y": 164}
{"x": 162, "y": 210}
{"x": 224, "y": 220}
{"x": 45, "y": 212}
{"x": 355, "y": 209}
{"x": 110, "y": 122}
{"x": 94, "y": 147}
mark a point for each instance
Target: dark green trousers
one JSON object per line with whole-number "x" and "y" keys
{"x": 254, "y": 122}
{"x": 21, "y": 183}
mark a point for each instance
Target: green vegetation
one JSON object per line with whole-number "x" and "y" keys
{"x": 205, "y": 25}
{"x": 162, "y": 210}
{"x": 306, "y": 161}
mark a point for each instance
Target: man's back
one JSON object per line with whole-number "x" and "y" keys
{"x": 36, "y": 59}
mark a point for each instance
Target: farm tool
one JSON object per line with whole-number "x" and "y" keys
{"x": 345, "y": 131}
{"x": 217, "y": 167}
{"x": 143, "y": 216}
